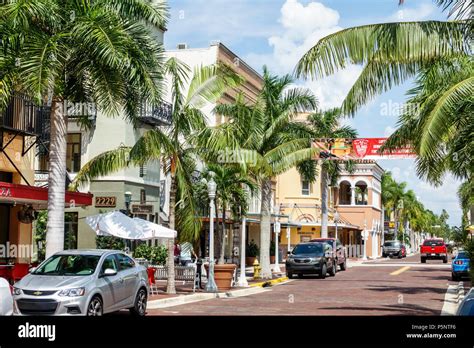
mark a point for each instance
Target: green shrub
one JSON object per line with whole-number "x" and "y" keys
{"x": 156, "y": 255}
{"x": 109, "y": 242}
{"x": 469, "y": 247}
{"x": 252, "y": 250}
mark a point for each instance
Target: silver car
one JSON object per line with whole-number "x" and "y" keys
{"x": 83, "y": 282}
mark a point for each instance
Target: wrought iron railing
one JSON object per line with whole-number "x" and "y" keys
{"x": 22, "y": 116}
{"x": 156, "y": 115}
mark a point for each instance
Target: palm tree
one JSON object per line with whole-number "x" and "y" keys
{"x": 392, "y": 197}
{"x": 173, "y": 146}
{"x": 438, "y": 119}
{"x": 267, "y": 139}
{"x": 232, "y": 182}
{"x": 101, "y": 52}
{"x": 326, "y": 125}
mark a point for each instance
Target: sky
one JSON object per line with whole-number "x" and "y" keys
{"x": 277, "y": 33}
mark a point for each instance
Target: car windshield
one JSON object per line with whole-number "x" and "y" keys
{"x": 69, "y": 265}
{"x": 462, "y": 255}
{"x": 391, "y": 244}
{"x": 313, "y": 249}
{"x": 433, "y": 243}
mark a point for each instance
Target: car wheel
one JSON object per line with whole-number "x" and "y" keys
{"x": 324, "y": 270}
{"x": 344, "y": 265}
{"x": 445, "y": 260}
{"x": 423, "y": 260}
{"x": 289, "y": 275}
{"x": 95, "y": 308}
{"x": 300, "y": 275}
{"x": 384, "y": 255}
{"x": 332, "y": 271}
{"x": 400, "y": 255}
{"x": 454, "y": 277}
{"x": 139, "y": 309}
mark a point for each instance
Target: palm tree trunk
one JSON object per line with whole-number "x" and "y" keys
{"x": 324, "y": 201}
{"x": 171, "y": 288}
{"x": 265, "y": 229}
{"x": 222, "y": 238}
{"x": 56, "y": 180}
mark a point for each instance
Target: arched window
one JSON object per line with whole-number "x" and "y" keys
{"x": 361, "y": 193}
{"x": 345, "y": 192}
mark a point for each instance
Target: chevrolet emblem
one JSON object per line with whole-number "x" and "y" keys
{"x": 37, "y": 293}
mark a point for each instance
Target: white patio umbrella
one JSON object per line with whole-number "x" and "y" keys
{"x": 152, "y": 230}
{"x": 120, "y": 225}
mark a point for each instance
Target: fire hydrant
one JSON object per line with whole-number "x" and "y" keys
{"x": 256, "y": 269}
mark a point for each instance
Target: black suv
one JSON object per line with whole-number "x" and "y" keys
{"x": 311, "y": 258}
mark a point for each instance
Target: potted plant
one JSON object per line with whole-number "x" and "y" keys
{"x": 272, "y": 252}
{"x": 251, "y": 252}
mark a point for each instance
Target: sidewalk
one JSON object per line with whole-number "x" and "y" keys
{"x": 184, "y": 292}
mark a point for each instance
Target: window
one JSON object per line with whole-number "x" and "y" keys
{"x": 305, "y": 188}
{"x": 110, "y": 262}
{"x": 125, "y": 262}
{"x": 70, "y": 230}
{"x": 73, "y": 156}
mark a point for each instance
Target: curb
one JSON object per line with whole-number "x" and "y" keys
{"x": 452, "y": 299}
{"x": 184, "y": 299}
{"x": 270, "y": 282}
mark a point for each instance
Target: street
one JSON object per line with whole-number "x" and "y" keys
{"x": 381, "y": 287}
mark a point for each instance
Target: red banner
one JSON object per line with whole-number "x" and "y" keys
{"x": 362, "y": 148}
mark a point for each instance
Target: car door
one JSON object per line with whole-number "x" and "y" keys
{"x": 110, "y": 286}
{"x": 130, "y": 276}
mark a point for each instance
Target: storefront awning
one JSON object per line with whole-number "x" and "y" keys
{"x": 38, "y": 196}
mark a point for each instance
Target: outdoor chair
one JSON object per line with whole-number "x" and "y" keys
{"x": 151, "y": 280}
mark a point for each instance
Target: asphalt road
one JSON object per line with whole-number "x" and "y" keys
{"x": 385, "y": 287}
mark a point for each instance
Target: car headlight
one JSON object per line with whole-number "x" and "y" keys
{"x": 17, "y": 291}
{"x": 72, "y": 292}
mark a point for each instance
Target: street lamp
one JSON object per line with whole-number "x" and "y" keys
{"x": 242, "y": 279}
{"x": 211, "y": 189}
{"x": 128, "y": 200}
{"x": 336, "y": 219}
{"x": 277, "y": 228}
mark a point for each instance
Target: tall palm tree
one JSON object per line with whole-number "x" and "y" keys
{"x": 268, "y": 139}
{"x": 232, "y": 182}
{"x": 101, "y": 52}
{"x": 326, "y": 125}
{"x": 172, "y": 145}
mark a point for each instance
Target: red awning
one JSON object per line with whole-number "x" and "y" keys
{"x": 38, "y": 196}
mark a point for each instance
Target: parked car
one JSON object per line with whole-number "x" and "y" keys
{"x": 311, "y": 258}
{"x": 83, "y": 282}
{"x": 392, "y": 248}
{"x": 433, "y": 249}
{"x": 340, "y": 252}
{"x": 460, "y": 266}
{"x": 466, "y": 308}
{"x": 6, "y": 298}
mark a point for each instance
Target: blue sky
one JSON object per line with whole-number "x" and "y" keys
{"x": 278, "y": 32}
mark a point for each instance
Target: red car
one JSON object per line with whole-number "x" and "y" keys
{"x": 434, "y": 249}
{"x": 340, "y": 252}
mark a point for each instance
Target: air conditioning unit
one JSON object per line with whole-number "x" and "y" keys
{"x": 182, "y": 46}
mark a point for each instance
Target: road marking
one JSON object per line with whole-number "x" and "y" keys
{"x": 401, "y": 270}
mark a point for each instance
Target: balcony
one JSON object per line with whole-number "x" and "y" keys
{"x": 22, "y": 116}
{"x": 156, "y": 115}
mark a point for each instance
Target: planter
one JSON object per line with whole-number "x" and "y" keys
{"x": 223, "y": 275}
{"x": 249, "y": 260}
{"x": 272, "y": 259}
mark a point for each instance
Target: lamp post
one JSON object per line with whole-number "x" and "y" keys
{"x": 277, "y": 228}
{"x": 242, "y": 279}
{"x": 336, "y": 219}
{"x": 211, "y": 189}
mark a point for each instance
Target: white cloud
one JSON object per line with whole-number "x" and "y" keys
{"x": 407, "y": 14}
{"x": 302, "y": 27}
